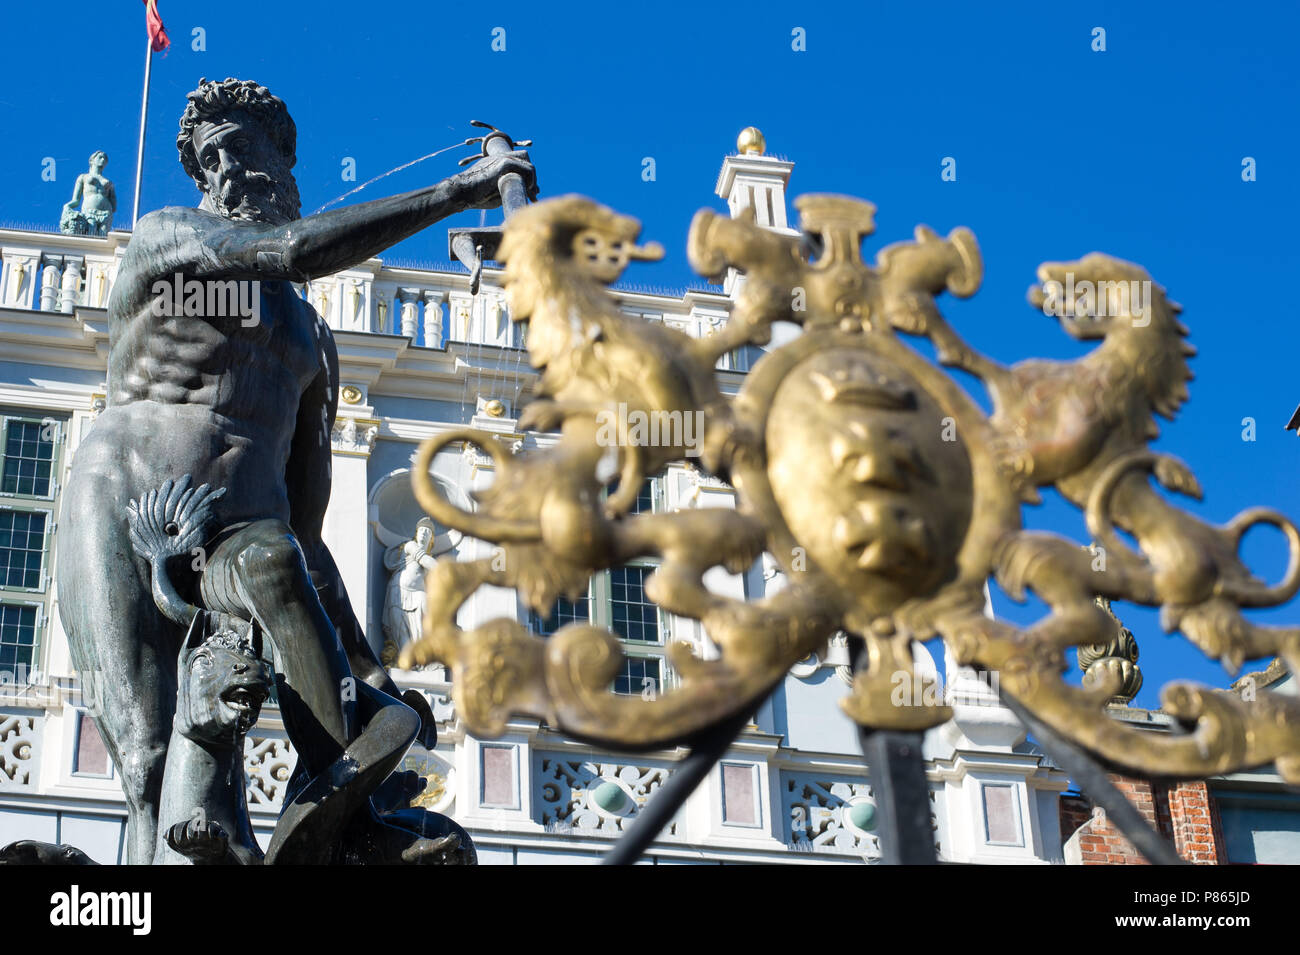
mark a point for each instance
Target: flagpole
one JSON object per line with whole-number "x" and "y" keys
{"x": 144, "y": 112}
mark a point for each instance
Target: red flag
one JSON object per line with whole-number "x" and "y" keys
{"x": 153, "y": 25}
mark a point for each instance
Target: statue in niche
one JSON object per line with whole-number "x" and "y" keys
{"x": 404, "y": 599}
{"x": 94, "y": 200}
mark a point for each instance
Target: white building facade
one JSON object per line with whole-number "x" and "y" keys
{"x": 419, "y": 354}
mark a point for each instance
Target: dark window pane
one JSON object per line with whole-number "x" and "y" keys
{"x": 632, "y": 616}
{"x": 27, "y": 467}
{"x": 638, "y": 675}
{"x": 22, "y": 548}
{"x": 645, "y": 498}
{"x": 564, "y": 611}
{"x": 17, "y": 636}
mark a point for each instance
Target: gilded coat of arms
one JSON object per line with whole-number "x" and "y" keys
{"x": 881, "y": 488}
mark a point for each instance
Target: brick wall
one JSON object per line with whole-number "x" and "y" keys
{"x": 1183, "y": 813}
{"x": 1198, "y": 835}
{"x": 1075, "y": 810}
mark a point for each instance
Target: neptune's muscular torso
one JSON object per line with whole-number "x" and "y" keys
{"x": 204, "y": 394}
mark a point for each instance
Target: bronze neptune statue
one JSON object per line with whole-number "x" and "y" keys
{"x": 245, "y": 403}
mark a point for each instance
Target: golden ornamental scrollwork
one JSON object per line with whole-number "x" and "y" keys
{"x": 884, "y": 492}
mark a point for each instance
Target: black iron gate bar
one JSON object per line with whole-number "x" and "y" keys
{"x": 1092, "y": 780}
{"x": 901, "y": 789}
{"x": 689, "y": 773}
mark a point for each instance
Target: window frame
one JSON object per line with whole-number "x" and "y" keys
{"x": 47, "y": 541}
{"x": 81, "y": 720}
{"x": 600, "y": 608}
{"x": 38, "y": 633}
{"x": 10, "y": 418}
{"x": 748, "y": 355}
{"x": 41, "y": 596}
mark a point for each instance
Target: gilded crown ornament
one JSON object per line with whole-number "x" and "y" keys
{"x": 879, "y": 486}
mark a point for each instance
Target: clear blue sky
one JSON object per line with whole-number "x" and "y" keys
{"x": 1060, "y": 151}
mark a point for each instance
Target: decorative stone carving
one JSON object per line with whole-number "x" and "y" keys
{"x": 268, "y": 764}
{"x": 818, "y": 815}
{"x": 318, "y": 293}
{"x": 19, "y": 747}
{"x": 496, "y": 321}
{"x": 806, "y": 667}
{"x": 439, "y": 776}
{"x": 347, "y": 436}
{"x": 94, "y": 200}
{"x": 596, "y": 798}
{"x": 357, "y": 299}
{"x": 394, "y": 511}
{"x": 701, "y": 479}
{"x": 460, "y": 316}
{"x": 444, "y": 707}
{"x": 710, "y": 323}
{"x": 18, "y": 279}
{"x": 833, "y": 815}
{"x": 97, "y": 285}
{"x": 476, "y": 458}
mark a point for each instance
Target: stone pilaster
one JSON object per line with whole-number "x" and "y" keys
{"x": 346, "y": 530}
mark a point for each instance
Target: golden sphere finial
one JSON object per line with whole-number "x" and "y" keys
{"x": 751, "y": 141}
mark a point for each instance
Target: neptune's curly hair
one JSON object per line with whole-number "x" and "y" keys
{"x": 215, "y": 99}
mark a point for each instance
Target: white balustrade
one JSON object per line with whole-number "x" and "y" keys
{"x": 433, "y": 300}
{"x": 51, "y": 276}
{"x": 70, "y": 285}
{"x": 58, "y": 273}
{"x": 410, "y": 319}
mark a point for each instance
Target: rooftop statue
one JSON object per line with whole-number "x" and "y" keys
{"x": 245, "y": 403}
{"x": 94, "y": 200}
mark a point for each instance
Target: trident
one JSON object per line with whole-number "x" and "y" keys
{"x": 472, "y": 246}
